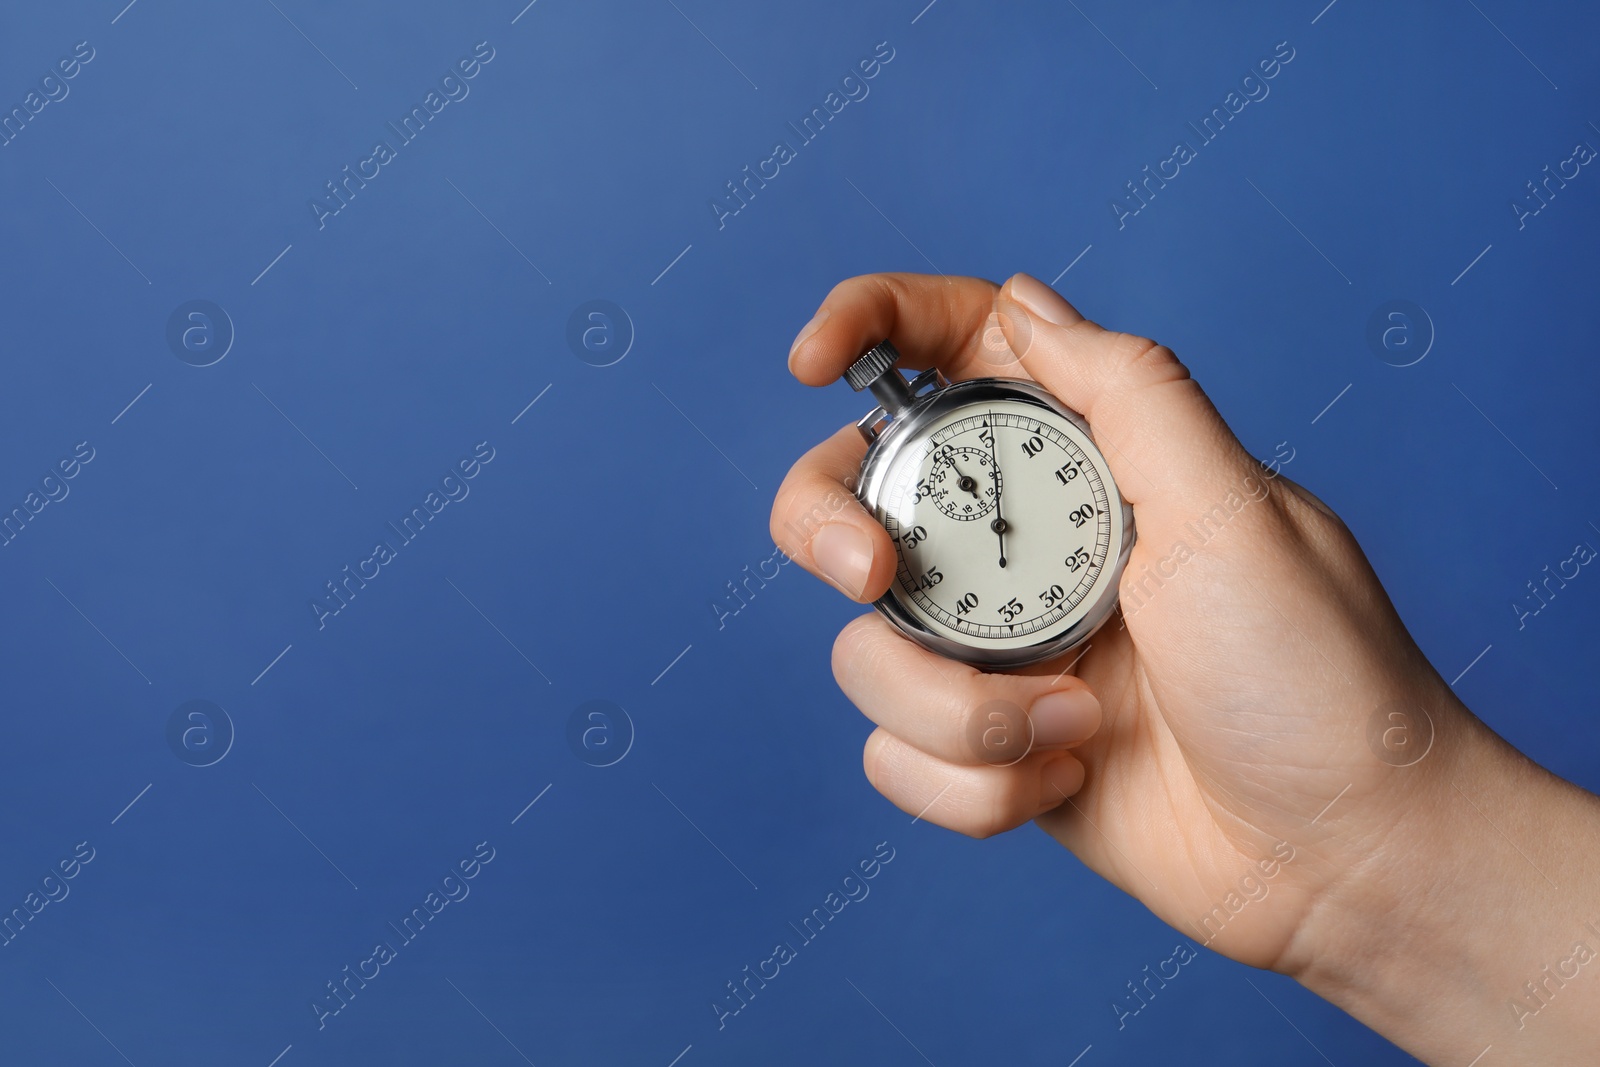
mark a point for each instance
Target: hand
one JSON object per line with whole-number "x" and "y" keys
{"x": 1210, "y": 752}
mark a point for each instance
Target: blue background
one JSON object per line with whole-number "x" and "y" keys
{"x": 423, "y": 318}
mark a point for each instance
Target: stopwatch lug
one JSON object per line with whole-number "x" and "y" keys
{"x": 931, "y": 376}
{"x": 871, "y": 423}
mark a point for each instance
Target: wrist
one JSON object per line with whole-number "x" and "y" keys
{"x": 1464, "y": 878}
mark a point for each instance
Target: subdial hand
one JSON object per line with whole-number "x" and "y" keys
{"x": 965, "y": 482}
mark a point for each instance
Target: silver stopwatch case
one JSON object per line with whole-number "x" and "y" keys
{"x": 901, "y": 422}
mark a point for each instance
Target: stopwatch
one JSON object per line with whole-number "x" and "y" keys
{"x": 1010, "y": 533}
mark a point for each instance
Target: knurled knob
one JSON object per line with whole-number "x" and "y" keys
{"x": 872, "y": 366}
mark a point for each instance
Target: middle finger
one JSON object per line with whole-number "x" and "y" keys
{"x": 953, "y": 711}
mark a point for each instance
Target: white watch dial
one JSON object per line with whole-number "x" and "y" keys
{"x": 1007, "y": 525}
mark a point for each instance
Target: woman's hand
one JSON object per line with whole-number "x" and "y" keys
{"x": 1232, "y": 748}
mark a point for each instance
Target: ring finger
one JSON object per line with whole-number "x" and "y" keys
{"x": 976, "y": 801}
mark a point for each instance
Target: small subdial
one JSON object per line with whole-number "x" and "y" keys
{"x": 963, "y": 483}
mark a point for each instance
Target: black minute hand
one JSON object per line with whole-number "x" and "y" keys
{"x": 999, "y": 523}
{"x": 966, "y": 482}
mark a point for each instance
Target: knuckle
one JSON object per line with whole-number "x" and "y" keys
{"x": 872, "y": 290}
{"x": 994, "y": 815}
{"x": 844, "y": 652}
{"x": 995, "y": 729}
{"x": 891, "y": 286}
{"x": 776, "y": 529}
{"x": 1144, "y": 361}
{"x": 855, "y": 651}
{"x": 797, "y": 517}
{"x": 872, "y": 760}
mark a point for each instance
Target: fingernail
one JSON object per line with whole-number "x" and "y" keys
{"x": 806, "y": 331}
{"x": 1064, "y": 718}
{"x": 1060, "y": 781}
{"x": 1040, "y": 300}
{"x": 844, "y": 554}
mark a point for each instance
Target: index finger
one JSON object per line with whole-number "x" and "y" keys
{"x": 950, "y": 323}
{"x": 818, "y": 523}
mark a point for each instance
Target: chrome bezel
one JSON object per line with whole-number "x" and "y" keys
{"x": 888, "y": 441}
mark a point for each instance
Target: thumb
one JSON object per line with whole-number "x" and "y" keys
{"x": 1168, "y": 447}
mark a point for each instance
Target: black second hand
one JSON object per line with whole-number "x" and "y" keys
{"x": 999, "y": 524}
